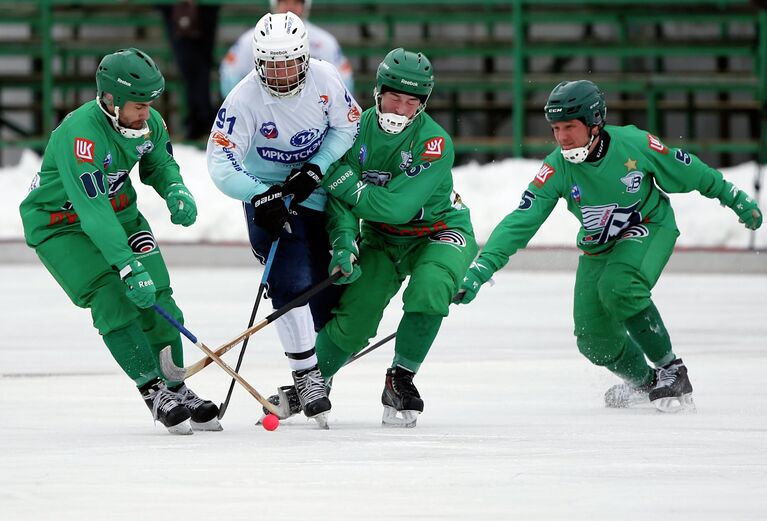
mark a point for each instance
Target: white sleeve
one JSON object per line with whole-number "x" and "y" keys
{"x": 237, "y": 63}
{"x": 229, "y": 142}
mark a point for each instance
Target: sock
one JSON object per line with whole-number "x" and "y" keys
{"x": 132, "y": 351}
{"x": 646, "y": 328}
{"x": 415, "y": 335}
{"x": 330, "y": 357}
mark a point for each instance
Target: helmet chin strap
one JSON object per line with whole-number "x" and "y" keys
{"x": 129, "y": 133}
{"x": 578, "y": 155}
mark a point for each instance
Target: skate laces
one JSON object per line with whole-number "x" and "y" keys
{"x": 163, "y": 400}
{"x": 402, "y": 383}
{"x": 311, "y": 386}
{"x": 188, "y": 398}
{"x": 667, "y": 376}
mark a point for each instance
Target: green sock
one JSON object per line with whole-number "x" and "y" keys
{"x": 177, "y": 354}
{"x": 415, "y": 335}
{"x": 631, "y": 365}
{"x": 130, "y": 349}
{"x": 330, "y": 357}
{"x": 646, "y": 328}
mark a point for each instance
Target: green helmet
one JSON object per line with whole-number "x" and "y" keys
{"x": 129, "y": 75}
{"x": 407, "y": 72}
{"x": 580, "y": 99}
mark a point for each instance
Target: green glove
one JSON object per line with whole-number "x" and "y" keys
{"x": 344, "y": 184}
{"x": 478, "y": 274}
{"x": 744, "y": 206}
{"x": 345, "y": 254}
{"x": 183, "y": 209}
{"x": 140, "y": 287}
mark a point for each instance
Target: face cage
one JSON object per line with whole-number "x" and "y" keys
{"x": 289, "y": 89}
{"x": 394, "y": 123}
{"x": 578, "y": 155}
{"x": 129, "y": 133}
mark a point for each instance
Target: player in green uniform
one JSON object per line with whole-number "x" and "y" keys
{"x": 81, "y": 218}
{"x": 397, "y": 179}
{"x": 614, "y": 181}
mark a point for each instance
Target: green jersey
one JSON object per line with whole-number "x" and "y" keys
{"x": 401, "y": 185}
{"x": 84, "y": 184}
{"x": 611, "y": 197}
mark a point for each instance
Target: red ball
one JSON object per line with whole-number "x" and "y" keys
{"x": 270, "y": 422}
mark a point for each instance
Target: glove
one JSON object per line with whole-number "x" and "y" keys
{"x": 140, "y": 287}
{"x": 183, "y": 209}
{"x": 744, "y": 206}
{"x": 345, "y": 254}
{"x": 269, "y": 211}
{"x": 477, "y": 275}
{"x": 302, "y": 182}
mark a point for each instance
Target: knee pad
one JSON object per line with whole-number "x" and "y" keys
{"x": 622, "y": 291}
{"x": 429, "y": 291}
{"x": 110, "y": 308}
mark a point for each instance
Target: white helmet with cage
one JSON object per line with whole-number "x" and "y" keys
{"x": 281, "y": 53}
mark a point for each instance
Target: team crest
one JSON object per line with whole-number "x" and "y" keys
{"x": 407, "y": 160}
{"x": 84, "y": 150}
{"x": 144, "y": 148}
{"x": 543, "y": 175}
{"x": 323, "y": 99}
{"x": 433, "y": 148}
{"x": 633, "y": 180}
{"x": 269, "y": 130}
{"x": 353, "y": 114}
{"x": 304, "y": 137}
{"x": 107, "y": 161}
{"x": 607, "y": 222}
{"x": 575, "y": 193}
{"x": 363, "y": 154}
{"x": 142, "y": 242}
{"x": 222, "y": 140}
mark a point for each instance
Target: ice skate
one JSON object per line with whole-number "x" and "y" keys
{"x": 286, "y": 402}
{"x": 313, "y": 395}
{"x": 165, "y": 407}
{"x": 401, "y": 400}
{"x": 204, "y": 412}
{"x": 623, "y": 396}
{"x": 673, "y": 390}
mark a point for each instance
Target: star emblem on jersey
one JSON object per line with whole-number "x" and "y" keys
{"x": 631, "y": 164}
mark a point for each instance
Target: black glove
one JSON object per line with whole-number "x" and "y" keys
{"x": 269, "y": 211}
{"x": 302, "y": 182}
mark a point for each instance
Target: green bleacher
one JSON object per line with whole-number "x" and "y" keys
{"x": 692, "y": 72}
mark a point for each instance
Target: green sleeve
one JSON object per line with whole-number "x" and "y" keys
{"x": 342, "y": 223}
{"x": 401, "y": 198}
{"x": 157, "y": 167}
{"x": 87, "y": 189}
{"x": 517, "y": 228}
{"x": 677, "y": 171}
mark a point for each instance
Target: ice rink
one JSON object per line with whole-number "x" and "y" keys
{"x": 514, "y": 426}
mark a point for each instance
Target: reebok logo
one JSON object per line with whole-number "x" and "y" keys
{"x": 408, "y": 82}
{"x": 338, "y": 182}
{"x": 120, "y": 80}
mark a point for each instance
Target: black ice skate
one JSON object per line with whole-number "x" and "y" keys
{"x": 313, "y": 395}
{"x": 401, "y": 400}
{"x": 165, "y": 407}
{"x": 673, "y": 390}
{"x": 623, "y": 396}
{"x": 204, "y": 412}
{"x": 286, "y": 402}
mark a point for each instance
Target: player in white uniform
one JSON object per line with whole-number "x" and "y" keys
{"x": 238, "y": 61}
{"x": 275, "y": 135}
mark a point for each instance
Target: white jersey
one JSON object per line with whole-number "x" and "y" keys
{"x": 257, "y": 138}
{"x": 238, "y": 61}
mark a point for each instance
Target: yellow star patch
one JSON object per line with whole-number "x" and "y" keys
{"x": 631, "y": 164}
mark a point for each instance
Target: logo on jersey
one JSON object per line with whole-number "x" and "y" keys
{"x": 142, "y": 242}
{"x": 269, "y": 130}
{"x": 222, "y": 140}
{"x": 683, "y": 157}
{"x": 607, "y": 222}
{"x": 635, "y": 232}
{"x": 633, "y": 180}
{"x": 353, "y": 114}
{"x": 543, "y": 175}
{"x": 407, "y": 160}
{"x": 575, "y": 193}
{"x": 363, "y": 154}
{"x": 324, "y": 99}
{"x": 116, "y": 181}
{"x": 656, "y": 144}
{"x": 84, "y": 150}
{"x": 376, "y": 177}
{"x": 107, "y": 160}
{"x": 433, "y": 147}
{"x": 528, "y": 198}
{"x": 451, "y": 237}
{"x": 304, "y": 137}
{"x": 144, "y": 148}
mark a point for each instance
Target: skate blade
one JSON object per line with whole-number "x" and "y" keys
{"x": 211, "y": 425}
{"x": 394, "y": 418}
{"x": 184, "y": 428}
{"x": 676, "y": 404}
{"x": 321, "y": 419}
{"x": 632, "y": 401}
